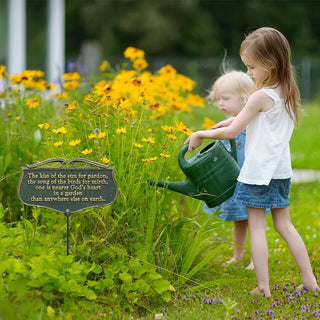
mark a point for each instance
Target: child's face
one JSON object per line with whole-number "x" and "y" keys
{"x": 255, "y": 71}
{"x": 229, "y": 103}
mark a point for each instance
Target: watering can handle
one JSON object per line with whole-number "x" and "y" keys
{"x": 184, "y": 150}
{"x": 233, "y": 151}
{"x": 181, "y": 158}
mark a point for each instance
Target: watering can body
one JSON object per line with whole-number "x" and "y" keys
{"x": 211, "y": 174}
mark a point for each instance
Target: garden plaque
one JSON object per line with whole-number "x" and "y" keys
{"x": 67, "y": 189}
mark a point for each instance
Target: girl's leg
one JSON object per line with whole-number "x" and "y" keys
{"x": 239, "y": 239}
{"x": 259, "y": 248}
{"x": 282, "y": 223}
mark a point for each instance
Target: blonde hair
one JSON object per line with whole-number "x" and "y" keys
{"x": 270, "y": 49}
{"x": 239, "y": 83}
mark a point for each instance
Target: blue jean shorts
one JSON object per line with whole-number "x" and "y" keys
{"x": 274, "y": 195}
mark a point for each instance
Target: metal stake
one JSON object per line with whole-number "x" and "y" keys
{"x": 67, "y": 214}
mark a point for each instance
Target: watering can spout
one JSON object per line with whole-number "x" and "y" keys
{"x": 185, "y": 187}
{"x": 211, "y": 175}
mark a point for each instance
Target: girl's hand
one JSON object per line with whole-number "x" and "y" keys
{"x": 194, "y": 141}
{"x": 224, "y": 123}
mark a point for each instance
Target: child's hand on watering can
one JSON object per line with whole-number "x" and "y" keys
{"x": 194, "y": 141}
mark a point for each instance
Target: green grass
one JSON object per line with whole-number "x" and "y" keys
{"x": 232, "y": 284}
{"x": 305, "y": 151}
{"x": 228, "y": 297}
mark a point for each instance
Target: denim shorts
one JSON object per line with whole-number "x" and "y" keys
{"x": 230, "y": 210}
{"x": 274, "y": 195}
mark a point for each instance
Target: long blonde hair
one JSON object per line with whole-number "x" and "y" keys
{"x": 269, "y": 48}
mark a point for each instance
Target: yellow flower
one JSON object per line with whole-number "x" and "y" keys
{"x": 133, "y": 53}
{"x": 140, "y": 64}
{"x": 3, "y": 71}
{"x": 147, "y": 161}
{"x": 181, "y": 127}
{"x": 104, "y": 65}
{"x": 44, "y": 125}
{"x": 62, "y": 95}
{"x": 207, "y": 124}
{"x": 138, "y": 145}
{"x": 121, "y": 130}
{"x": 92, "y": 136}
{"x": 70, "y": 85}
{"x": 72, "y": 106}
{"x": 167, "y": 128}
{"x": 172, "y": 137}
{"x": 58, "y": 143}
{"x": 86, "y": 151}
{"x": 60, "y": 130}
{"x": 101, "y": 135}
{"x": 164, "y": 155}
{"x": 71, "y": 76}
{"x": 105, "y": 160}
{"x": 149, "y": 140}
{"x": 167, "y": 70}
{"x": 75, "y": 142}
{"x": 33, "y": 103}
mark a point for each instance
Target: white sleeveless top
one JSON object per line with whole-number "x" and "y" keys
{"x": 267, "y": 150}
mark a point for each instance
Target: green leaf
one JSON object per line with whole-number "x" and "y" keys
{"x": 162, "y": 285}
{"x": 154, "y": 275}
{"x": 35, "y": 283}
{"x": 18, "y": 287}
{"x": 19, "y": 267}
{"x": 125, "y": 277}
{"x": 52, "y": 273}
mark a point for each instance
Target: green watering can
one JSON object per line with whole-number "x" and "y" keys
{"x": 211, "y": 174}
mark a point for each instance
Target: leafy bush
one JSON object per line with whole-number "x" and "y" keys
{"x": 140, "y": 249}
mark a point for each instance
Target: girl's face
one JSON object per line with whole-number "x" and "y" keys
{"x": 255, "y": 71}
{"x": 228, "y": 102}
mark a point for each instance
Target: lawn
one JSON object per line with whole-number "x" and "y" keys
{"x": 227, "y": 295}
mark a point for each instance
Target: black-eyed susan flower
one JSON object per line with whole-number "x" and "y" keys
{"x": 140, "y": 64}
{"x": 86, "y": 151}
{"x": 168, "y": 129}
{"x": 44, "y": 125}
{"x": 75, "y": 142}
{"x": 58, "y": 144}
{"x": 70, "y": 85}
{"x": 105, "y": 160}
{"x": 92, "y": 136}
{"x": 3, "y": 71}
{"x": 207, "y": 124}
{"x": 138, "y": 145}
{"x": 103, "y": 66}
{"x": 163, "y": 155}
{"x": 101, "y": 135}
{"x": 133, "y": 53}
{"x": 61, "y": 130}
{"x": 121, "y": 130}
{"x": 172, "y": 136}
{"x": 149, "y": 140}
{"x": 181, "y": 127}
{"x": 33, "y": 103}
{"x": 72, "y": 106}
{"x": 71, "y": 76}
{"x": 148, "y": 160}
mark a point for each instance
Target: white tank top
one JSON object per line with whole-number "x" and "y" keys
{"x": 267, "y": 150}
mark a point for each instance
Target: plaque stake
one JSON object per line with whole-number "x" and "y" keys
{"x": 67, "y": 189}
{"x": 68, "y": 215}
